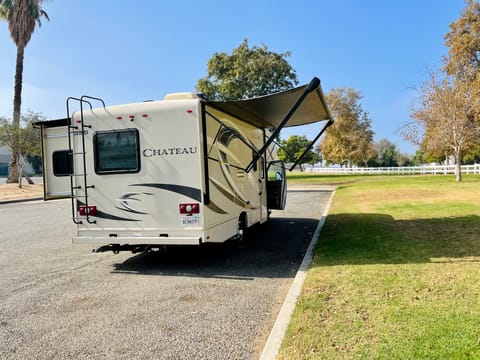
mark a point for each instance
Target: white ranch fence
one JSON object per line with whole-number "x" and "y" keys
{"x": 401, "y": 170}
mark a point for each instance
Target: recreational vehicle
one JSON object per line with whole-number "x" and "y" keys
{"x": 181, "y": 171}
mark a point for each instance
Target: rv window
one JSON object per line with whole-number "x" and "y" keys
{"x": 116, "y": 151}
{"x": 62, "y": 161}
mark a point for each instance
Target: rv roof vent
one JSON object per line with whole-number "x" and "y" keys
{"x": 181, "y": 96}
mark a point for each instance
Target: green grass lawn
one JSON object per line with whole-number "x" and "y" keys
{"x": 396, "y": 272}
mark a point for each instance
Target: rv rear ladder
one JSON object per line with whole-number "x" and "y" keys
{"x": 76, "y": 130}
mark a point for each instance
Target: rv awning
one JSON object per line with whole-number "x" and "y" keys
{"x": 269, "y": 111}
{"x": 300, "y": 106}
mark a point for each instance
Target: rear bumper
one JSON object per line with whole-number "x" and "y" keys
{"x": 103, "y": 240}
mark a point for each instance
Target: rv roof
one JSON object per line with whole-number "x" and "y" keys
{"x": 269, "y": 111}
{"x": 181, "y": 96}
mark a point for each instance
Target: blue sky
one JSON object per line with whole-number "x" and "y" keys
{"x": 127, "y": 51}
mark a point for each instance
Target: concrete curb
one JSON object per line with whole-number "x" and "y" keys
{"x": 14, "y": 201}
{"x": 275, "y": 339}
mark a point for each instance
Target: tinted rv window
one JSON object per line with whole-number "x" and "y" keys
{"x": 62, "y": 161}
{"x": 116, "y": 151}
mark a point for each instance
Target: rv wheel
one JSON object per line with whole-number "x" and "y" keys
{"x": 242, "y": 227}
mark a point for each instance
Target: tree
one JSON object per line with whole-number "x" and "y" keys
{"x": 350, "y": 139}
{"x": 387, "y": 153}
{"x": 22, "y": 139}
{"x": 472, "y": 156}
{"x": 292, "y": 148}
{"x": 404, "y": 159}
{"x": 463, "y": 41}
{"x": 446, "y": 117}
{"x": 419, "y": 158}
{"x": 22, "y": 16}
{"x": 246, "y": 73}
{"x": 3, "y": 12}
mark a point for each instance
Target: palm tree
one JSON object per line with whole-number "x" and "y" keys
{"x": 22, "y": 17}
{"x": 3, "y": 13}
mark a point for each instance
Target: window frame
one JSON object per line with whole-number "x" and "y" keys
{"x": 68, "y": 161}
{"x": 96, "y": 154}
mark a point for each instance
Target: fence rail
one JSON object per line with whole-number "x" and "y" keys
{"x": 401, "y": 170}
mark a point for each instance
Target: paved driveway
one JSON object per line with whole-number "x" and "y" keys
{"x": 216, "y": 302}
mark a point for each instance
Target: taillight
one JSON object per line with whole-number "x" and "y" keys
{"x": 189, "y": 209}
{"x": 90, "y": 210}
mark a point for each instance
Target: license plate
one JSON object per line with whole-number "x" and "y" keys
{"x": 190, "y": 220}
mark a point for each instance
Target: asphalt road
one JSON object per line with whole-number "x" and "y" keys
{"x": 60, "y": 301}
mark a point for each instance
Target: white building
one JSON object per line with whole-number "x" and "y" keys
{"x": 5, "y": 159}
{"x": 4, "y": 155}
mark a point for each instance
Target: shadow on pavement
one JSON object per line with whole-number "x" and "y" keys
{"x": 272, "y": 250}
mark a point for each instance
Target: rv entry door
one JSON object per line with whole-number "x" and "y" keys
{"x": 276, "y": 185}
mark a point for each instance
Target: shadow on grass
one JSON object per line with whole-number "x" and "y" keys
{"x": 273, "y": 250}
{"x": 380, "y": 239}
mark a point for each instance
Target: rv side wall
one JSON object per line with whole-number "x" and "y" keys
{"x": 234, "y": 193}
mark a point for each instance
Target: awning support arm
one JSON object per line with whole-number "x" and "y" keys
{"x": 311, "y": 87}
{"x": 284, "y": 149}
{"x": 330, "y": 122}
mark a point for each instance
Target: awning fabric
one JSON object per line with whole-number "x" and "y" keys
{"x": 269, "y": 111}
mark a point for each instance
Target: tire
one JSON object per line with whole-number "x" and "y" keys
{"x": 242, "y": 227}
